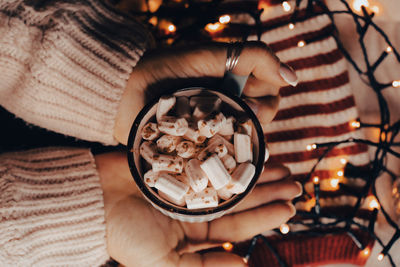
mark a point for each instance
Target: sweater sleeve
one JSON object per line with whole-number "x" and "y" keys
{"x": 64, "y": 64}
{"x": 51, "y": 209}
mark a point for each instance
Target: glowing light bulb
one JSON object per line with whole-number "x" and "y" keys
{"x": 380, "y": 256}
{"x": 355, "y": 124}
{"x": 343, "y": 160}
{"x": 286, "y": 6}
{"x": 334, "y": 182}
{"x": 316, "y": 180}
{"x": 389, "y": 49}
{"x": 311, "y": 147}
{"x": 366, "y": 251}
{"x": 171, "y": 28}
{"x": 284, "y": 228}
{"x": 228, "y": 246}
{"x": 225, "y": 19}
{"x": 340, "y": 173}
{"x": 396, "y": 83}
{"x": 213, "y": 27}
{"x": 291, "y": 26}
{"x": 372, "y": 203}
{"x": 357, "y": 4}
{"x": 375, "y": 9}
{"x": 301, "y": 43}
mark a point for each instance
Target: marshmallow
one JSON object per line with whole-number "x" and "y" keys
{"x": 211, "y": 125}
{"x": 200, "y": 200}
{"x": 173, "y": 126}
{"x": 182, "y": 107}
{"x": 165, "y": 104}
{"x": 216, "y": 172}
{"x": 168, "y": 143}
{"x": 243, "y": 148}
{"x": 194, "y": 135}
{"x": 224, "y": 193}
{"x": 179, "y": 202}
{"x": 148, "y": 150}
{"x": 241, "y": 177}
{"x": 202, "y": 112}
{"x": 150, "y": 178}
{"x": 227, "y": 127}
{"x": 150, "y": 131}
{"x": 229, "y": 163}
{"x": 197, "y": 178}
{"x": 217, "y": 139}
{"x": 170, "y": 186}
{"x": 221, "y": 150}
{"x": 186, "y": 149}
{"x": 167, "y": 163}
{"x": 246, "y": 127}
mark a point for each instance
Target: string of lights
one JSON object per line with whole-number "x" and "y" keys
{"x": 179, "y": 20}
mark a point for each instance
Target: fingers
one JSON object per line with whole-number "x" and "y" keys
{"x": 264, "y": 107}
{"x": 211, "y": 259}
{"x": 243, "y": 225}
{"x": 273, "y": 172}
{"x": 267, "y": 193}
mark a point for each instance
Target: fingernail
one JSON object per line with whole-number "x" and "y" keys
{"x": 301, "y": 188}
{"x": 252, "y": 105}
{"x": 293, "y": 209}
{"x": 288, "y": 74}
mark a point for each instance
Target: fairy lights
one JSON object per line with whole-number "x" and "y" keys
{"x": 228, "y": 246}
{"x": 224, "y": 19}
{"x": 396, "y": 83}
{"x": 334, "y": 182}
{"x": 311, "y": 147}
{"x": 389, "y": 49}
{"x": 366, "y": 252}
{"x": 343, "y": 160}
{"x": 214, "y": 27}
{"x": 301, "y": 44}
{"x": 286, "y": 6}
{"x": 380, "y": 257}
{"x": 355, "y": 124}
{"x": 372, "y": 202}
{"x": 357, "y": 4}
{"x": 340, "y": 173}
{"x": 284, "y": 228}
{"x": 316, "y": 180}
{"x": 171, "y": 28}
{"x": 291, "y": 26}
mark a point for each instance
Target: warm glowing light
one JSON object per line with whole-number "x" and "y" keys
{"x": 291, "y": 26}
{"x": 262, "y": 5}
{"x": 355, "y": 124}
{"x": 284, "y": 228}
{"x": 301, "y": 43}
{"x": 389, "y": 49}
{"x": 375, "y": 9}
{"x": 357, "y": 4}
{"x": 153, "y": 21}
{"x": 245, "y": 260}
{"x": 396, "y": 83}
{"x": 366, "y": 251}
{"x": 309, "y": 204}
{"x": 171, "y": 28}
{"x": 213, "y": 27}
{"x": 340, "y": 173}
{"x": 286, "y": 6}
{"x": 311, "y": 147}
{"x": 334, "y": 182}
{"x": 225, "y": 19}
{"x": 316, "y": 180}
{"x": 227, "y": 246}
{"x": 380, "y": 256}
{"x": 343, "y": 160}
{"x": 372, "y": 202}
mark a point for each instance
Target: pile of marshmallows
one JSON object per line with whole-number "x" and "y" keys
{"x": 193, "y": 162}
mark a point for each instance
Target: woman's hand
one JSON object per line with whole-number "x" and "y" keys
{"x": 139, "y": 235}
{"x": 178, "y": 68}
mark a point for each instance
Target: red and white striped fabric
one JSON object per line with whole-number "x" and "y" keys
{"x": 319, "y": 109}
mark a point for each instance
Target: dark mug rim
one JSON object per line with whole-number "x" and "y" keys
{"x": 226, "y": 205}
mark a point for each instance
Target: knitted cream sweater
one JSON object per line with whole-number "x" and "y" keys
{"x": 63, "y": 66}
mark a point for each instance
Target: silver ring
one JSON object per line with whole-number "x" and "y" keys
{"x": 232, "y": 55}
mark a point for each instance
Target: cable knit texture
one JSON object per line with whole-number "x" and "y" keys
{"x": 67, "y": 70}
{"x": 51, "y": 209}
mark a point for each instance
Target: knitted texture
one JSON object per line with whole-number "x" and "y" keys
{"x": 319, "y": 109}
{"x": 51, "y": 209}
{"x": 64, "y": 66}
